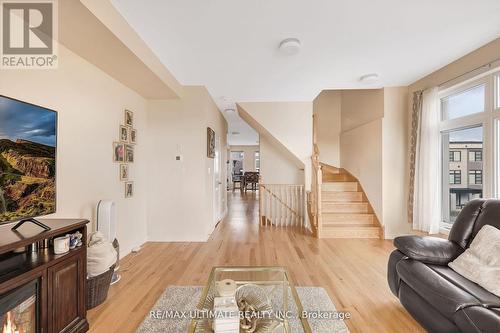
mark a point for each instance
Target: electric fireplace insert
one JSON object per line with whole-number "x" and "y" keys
{"x": 19, "y": 309}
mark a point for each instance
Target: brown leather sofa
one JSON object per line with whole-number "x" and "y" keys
{"x": 437, "y": 297}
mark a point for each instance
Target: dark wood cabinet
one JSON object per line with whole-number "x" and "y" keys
{"x": 61, "y": 306}
{"x": 66, "y": 296}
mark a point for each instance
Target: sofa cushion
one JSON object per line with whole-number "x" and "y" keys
{"x": 444, "y": 295}
{"x": 480, "y": 263}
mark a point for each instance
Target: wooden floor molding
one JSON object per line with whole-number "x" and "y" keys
{"x": 353, "y": 271}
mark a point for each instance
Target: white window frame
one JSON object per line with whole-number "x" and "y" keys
{"x": 490, "y": 121}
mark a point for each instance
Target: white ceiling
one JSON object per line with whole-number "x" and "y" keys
{"x": 231, "y": 46}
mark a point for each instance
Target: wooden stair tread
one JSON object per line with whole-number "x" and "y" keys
{"x": 340, "y": 186}
{"x": 348, "y": 218}
{"x": 351, "y": 231}
{"x": 352, "y": 226}
{"x": 342, "y": 196}
{"x": 345, "y": 207}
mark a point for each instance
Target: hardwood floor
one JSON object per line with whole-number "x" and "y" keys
{"x": 353, "y": 271}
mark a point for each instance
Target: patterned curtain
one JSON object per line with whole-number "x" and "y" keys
{"x": 415, "y": 127}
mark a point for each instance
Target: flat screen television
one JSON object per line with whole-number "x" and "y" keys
{"x": 28, "y": 141}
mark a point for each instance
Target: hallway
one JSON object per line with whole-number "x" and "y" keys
{"x": 352, "y": 271}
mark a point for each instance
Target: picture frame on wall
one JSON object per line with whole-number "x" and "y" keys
{"x": 129, "y": 118}
{"x": 129, "y": 189}
{"x": 118, "y": 152}
{"x": 210, "y": 143}
{"x": 123, "y": 172}
{"x": 129, "y": 153}
{"x": 124, "y": 133}
{"x": 133, "y": 136}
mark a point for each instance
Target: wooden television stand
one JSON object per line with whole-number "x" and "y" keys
{"x": 59, "y": 278}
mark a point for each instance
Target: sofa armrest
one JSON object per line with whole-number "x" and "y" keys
{"x": 429, "y": 250}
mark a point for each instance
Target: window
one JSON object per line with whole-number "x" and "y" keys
{"x": 463, "y": 103}
{"x": 475, "y": 156}
{"x": 257, "y": 161}
{"x": 455, "y": 156}
{"x": 475, "y": 177}
{"x": 455, "y": 177}
{"x": 470, "y": 133}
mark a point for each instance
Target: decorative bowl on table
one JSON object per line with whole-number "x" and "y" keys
{"x": 250, "y": 299}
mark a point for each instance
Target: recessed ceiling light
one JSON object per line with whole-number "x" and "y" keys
{"x": 229, "y": 111}
{"x": 290, "y": 46}
{"x": 369, "y": 78}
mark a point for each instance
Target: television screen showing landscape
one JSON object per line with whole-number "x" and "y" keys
{"x": 27, "y": 160}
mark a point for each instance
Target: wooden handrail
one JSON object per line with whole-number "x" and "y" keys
{"x": 281, "y": 204}
{"x": 315, "y": 195}
{"x": 279, "y": 199}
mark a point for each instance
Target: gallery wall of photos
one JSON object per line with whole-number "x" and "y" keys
{"x": 123, "y": 151}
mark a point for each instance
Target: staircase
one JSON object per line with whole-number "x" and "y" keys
{"x": 338, "y": 206}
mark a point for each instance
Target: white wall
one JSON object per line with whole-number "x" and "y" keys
{"x": 327, "y": 113}
{"x": 90, "y": 106}
{"x": 178, "y": 190}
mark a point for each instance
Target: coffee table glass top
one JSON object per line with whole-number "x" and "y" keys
{"x": 270, "y": 284}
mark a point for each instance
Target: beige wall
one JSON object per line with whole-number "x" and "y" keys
{"x": 248, "y": 156}
{"x": 361, "y": 106}
{"x": 178, "y": 190}
{"x": 327, "y": 114}
{"x": 375, "y": 150}
{"x": 90, "y": 106}
{"x": 477, "y": 58}
{"x": 278, "y": 165}
{"x": 395, "y": 159}
{"x": 288, "y": 125}
{"x": 361, "y": 155}
{"x": 289, "y": 122}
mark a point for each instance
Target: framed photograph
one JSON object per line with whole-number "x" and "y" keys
{"x": 133, "y": 135}
{"x": 129, "y": 118}
{"x": 129, "y": 153}
{"x": 210, "y": 143}
{"x": 118, "y": 152}
{"x": 123, "y": 172}
{"x": 129, "y": 189}
{"x": 124, "y": 134}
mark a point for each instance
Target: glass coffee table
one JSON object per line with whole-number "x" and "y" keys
{"x": 278, "y": 308}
